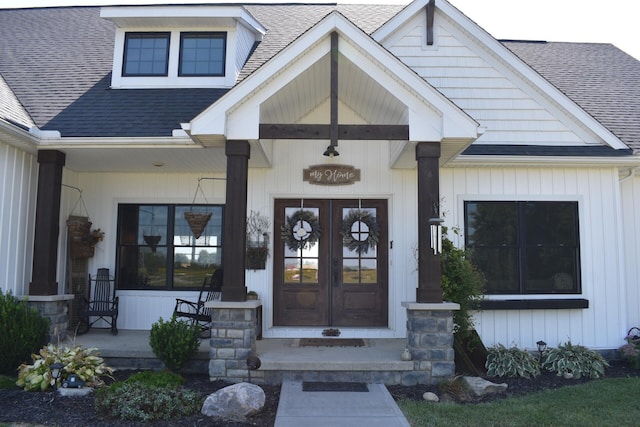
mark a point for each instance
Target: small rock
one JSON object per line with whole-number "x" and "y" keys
{"x": 75, "y": 392}
{"x": 430, "y": 397}
{"x": 481, "y": 387}
{"x": 568, "y": 376}
{"x": 234, "y": 402}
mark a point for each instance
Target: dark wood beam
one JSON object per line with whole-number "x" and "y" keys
{"x": 47, "y": 229}
{"x": 431, "y": 10}
{"x": 235, "y": 224}
{"x": 345, "y": 132}
{"x": 429, "y": 271}
{"x": 333, "y": 130}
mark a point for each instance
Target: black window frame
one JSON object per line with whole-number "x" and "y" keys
{"x": 203, "y": 34}
{"x": 146, "y": 35}
{"x": 523, "y": 248}
{"x": 169, "y": 245}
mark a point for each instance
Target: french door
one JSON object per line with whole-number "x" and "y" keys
{"x": 330, "y": 262}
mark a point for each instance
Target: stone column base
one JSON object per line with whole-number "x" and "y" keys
{"x": 233, "y": 338}
{"x": 55, "y": 308}
{"x": 430, "y": 341}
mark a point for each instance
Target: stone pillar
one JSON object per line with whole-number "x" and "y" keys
{"x": 430, "y": 341}
{"x": 47, "y": 228}
{"x": 55, "y": 308}
{"x": 233, "y": 339}
{"x": 429, "y": 280}
{"x": 235, "y": 221}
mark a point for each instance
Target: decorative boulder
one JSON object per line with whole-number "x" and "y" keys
{"x": 481, "y": 387}
{"x": 431, "y": 397}
{"x": 234, "y": 402}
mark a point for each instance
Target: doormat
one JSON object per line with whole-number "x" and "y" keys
{"x": 357, "y": 387}
{"x": 330, "y": 342}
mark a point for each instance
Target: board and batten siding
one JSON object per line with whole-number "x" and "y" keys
{"x": 630, "y": 191}
{"x": 18, "y": 188}
{"x": 511, "y": 110}
{"x": 602, "y": 325}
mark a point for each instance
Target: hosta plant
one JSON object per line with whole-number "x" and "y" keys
{"x": 574, "y": 361}
{"x": 511, "y": 362}
{"x": 83, "y": 362}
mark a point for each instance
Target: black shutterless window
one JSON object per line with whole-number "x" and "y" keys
{"x": 202, "y": 54}
{"x": 146, "y": 54}
{"x": 525, "y": 247}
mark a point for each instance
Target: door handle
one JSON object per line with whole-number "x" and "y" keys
{"x": 335, "y": 273}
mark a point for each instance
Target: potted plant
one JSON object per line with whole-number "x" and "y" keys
{"x": 82, "y": 240}
{"x": 252, "y": 295}
{"x": 257, "y": 241}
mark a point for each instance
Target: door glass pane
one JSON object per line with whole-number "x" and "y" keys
{"x": 368, "y": 271}
{"x": 292, "y": 271}
{"x": 301, "y": 264}
{"x": 310, "y": 270}
{"x": 350, "y": 271}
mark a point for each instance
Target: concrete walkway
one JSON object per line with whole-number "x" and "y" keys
{"x": 375, "y": 408}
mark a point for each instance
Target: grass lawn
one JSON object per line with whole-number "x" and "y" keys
{"x": 607, "y": 402}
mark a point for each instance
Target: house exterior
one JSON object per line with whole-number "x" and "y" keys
{"x": 133, "y": 115}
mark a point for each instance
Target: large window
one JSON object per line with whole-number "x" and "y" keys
{"x": 202, "y": 54}
{"x": 525, "y": 247}
{"x": 146, "y": 54}
{"x": 157, "y": 250}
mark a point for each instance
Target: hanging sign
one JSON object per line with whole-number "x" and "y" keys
{"x": 331, "y": 174}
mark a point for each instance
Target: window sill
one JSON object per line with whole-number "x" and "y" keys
{"x": 534, "y": 304}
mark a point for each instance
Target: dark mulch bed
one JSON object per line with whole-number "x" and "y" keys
{"x": 36, "y": 408}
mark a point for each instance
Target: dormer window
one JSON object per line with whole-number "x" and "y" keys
{"x": 202, "y": 54}
{"x": 192, "y": 46}
{"x": 146, "y": 54}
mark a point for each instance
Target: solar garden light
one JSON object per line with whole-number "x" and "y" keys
{"x": 56, "y": 370}
{"x": 542, "y": 346}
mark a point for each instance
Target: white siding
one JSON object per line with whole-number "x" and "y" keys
{"x": 244, "y": 44}
{"x": 603, "y": 324}
{"x": 511, "y": 111}
{"x": 18, "y": 184}
{"x": 630, "y": 193}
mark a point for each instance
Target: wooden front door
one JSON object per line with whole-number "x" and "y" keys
{"x": 339, "y": 276}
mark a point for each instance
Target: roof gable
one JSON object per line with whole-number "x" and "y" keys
{"x": 429, "y": 115}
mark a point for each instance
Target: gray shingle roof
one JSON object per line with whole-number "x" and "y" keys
{"x": 57, "y": 62}
{"x": 599, "y": 77}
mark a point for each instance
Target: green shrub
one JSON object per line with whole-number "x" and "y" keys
{"x": 630, "y": 352}
{"x": 83, "y": 362}
{"x": 575, "y": 360}
{"x": 156, "y": 379}
{"x": 174, "y": 342}
{"x": 22, "y": 332}
{"x": 7, "y": 383}
{"x": 511, "y": 362}
{"x": 462, "y": 283}
{"x": 136, "y": 401}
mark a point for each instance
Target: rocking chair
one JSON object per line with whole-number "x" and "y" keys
{"x": 102, "y": 303}
{"x": 196, "y": 312}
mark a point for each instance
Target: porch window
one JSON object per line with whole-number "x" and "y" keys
{"x": 202, "y": 54}
{"x": 146, "y": 54}
{"x": 528, "y": 247}
{"x": 157, "y": 250}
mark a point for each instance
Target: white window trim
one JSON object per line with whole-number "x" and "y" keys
{"x": 172, "y": 80}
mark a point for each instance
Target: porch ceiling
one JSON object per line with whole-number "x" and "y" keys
{"x": 356, "y": 90}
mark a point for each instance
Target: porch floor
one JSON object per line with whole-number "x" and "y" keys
{"x": 131, "y": 350}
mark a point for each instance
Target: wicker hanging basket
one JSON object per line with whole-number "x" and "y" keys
{"x": 78, "y": 228}
{"x": 197, "y": 222}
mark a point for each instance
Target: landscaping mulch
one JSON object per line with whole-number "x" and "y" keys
{"x": 37, "y": 408}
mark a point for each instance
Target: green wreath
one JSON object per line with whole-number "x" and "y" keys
{"x": 372, "y": 235}
{"x": 301, "y": 230}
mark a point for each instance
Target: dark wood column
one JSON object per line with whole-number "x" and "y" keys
{"x": 235, "y": 225}
{"x": 47, "y": 229}
{"x": 429, "y": 272}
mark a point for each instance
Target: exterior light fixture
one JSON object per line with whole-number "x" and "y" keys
{"x": 253, "y": 363}
{"x": 331, "y": 151}
{"x": 73, "y": 381}
{"x": 435, "y": 224}
{"x": 542, "y": 346}
{"x": 56, "y": 369}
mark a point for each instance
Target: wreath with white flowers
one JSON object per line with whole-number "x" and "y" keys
{"x": 301, "y": 230}
{"x": 364, "y": 236}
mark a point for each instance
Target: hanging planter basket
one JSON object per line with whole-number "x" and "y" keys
{"x": 152, "y": 241}
{"x": 79, "y": 227}
{"x": 197, "y": 222}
